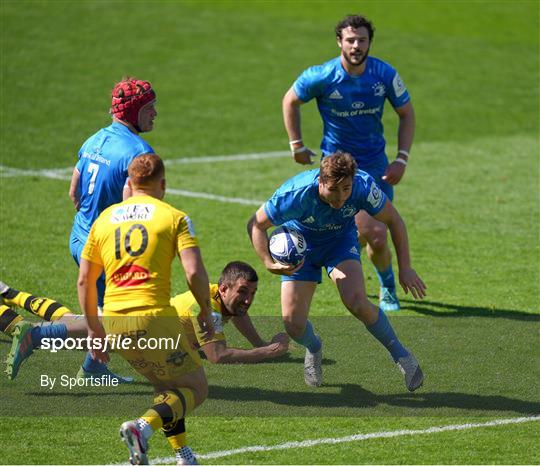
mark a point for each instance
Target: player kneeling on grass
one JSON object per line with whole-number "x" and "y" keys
{"x": 321, "y": 204}
{"x": 231, "y": 299}
{"x": 135, "y": 243}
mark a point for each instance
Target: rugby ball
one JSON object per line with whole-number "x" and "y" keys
{"x": 287, "y": 246}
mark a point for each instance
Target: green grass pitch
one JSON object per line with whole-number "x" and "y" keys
{"x": 470, "y": 199}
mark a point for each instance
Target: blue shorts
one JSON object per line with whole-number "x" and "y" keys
{"x": 327, "y": 255}
{"x": 76, "y": 247}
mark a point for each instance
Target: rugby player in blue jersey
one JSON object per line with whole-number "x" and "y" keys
{"x": 100, "y": 177}
{"x": 351, "y": 91}
{"x": 322, "y": 204}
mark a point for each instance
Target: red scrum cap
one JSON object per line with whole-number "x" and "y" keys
{"x": 128, "y": 97}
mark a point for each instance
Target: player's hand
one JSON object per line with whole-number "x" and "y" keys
{"x": 281, "y": 338}
{"x": 410, "y": 281}
{"x": 304, "y": 156}
{"x": 394, "y": 172}
{"x": 206, "y": 324}
{"x": 97, "y": 337}
{"x": 278, "y": 349}
{"x": 282, "y": 269}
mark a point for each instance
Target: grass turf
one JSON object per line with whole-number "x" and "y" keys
{"x": 470, "y": 199}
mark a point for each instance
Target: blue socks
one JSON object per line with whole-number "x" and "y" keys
{"x": 386, "y": 277}
{"x": 383, "y": 331}
{"x": 48, "y": 331}
{"x": 92, "y": 365}
{"x": 308, "y": 339}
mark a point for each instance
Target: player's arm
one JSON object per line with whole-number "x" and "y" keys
{"x": 217, "y": 352}
{"x": 89, "y": 272}
{"x": 407, "y": 122}
{"x": 408, "y": 278}
{"x": 245, "y": 326}
{"x": 257, "y": 228}
{"x": 197, "y": 280}
{"x": 292, "y": 120}
{"x": 74, "y": 192}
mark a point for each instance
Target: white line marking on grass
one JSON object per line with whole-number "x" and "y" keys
{"x": 55, "y": 173}
{"x": 213, "y": 197}
{"x": 65, "y": 174}
{"x": 61, "y": 173}
{"x": 227, "y": 158}
{"x": 355, "y": 438}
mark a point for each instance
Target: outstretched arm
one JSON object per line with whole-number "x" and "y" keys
{"x": 408, "y": 278}
{"x": 218, "y": 352}
{"x": 245, "y": 326}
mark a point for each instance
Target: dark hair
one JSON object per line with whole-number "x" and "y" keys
{"x": 236, "y": 270}
{"x": 355, "y": 22}
{"x": 336, "y": 167}
{"x": 146, "y": 169}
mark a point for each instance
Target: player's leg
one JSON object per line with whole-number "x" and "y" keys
{"x": 62, "y": 323}
{"x": 373, "y": 234}
{"x": 44, "y": 308}
{"x": 176, "y": 374}
{"x": 349, "y": 279}
{"x": 296, "y": 299}
{"x": 8, "y": 319}
{"x": 171, "y": 406}
{"x": 176, "y": 432}
{"x": 91, "y": 368}
{"x": 28, "y": 336}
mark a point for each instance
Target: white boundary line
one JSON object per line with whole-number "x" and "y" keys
{"x": 213, "y": 197}
{"x": 65, "y": 174}
{"x": 355, "y": 438}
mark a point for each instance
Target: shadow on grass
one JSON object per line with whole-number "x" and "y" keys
{"x": 454, "y": 310}
{"x": 98, "y": 392}
{"x": 354, "y": 396}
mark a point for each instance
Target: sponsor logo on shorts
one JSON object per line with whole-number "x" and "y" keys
{"x": 131, "y": 212}
{"x": 176, "y": 358}
{"x": 130, "y": 275}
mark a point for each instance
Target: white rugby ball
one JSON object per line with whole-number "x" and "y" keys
{"x": 287, "y": 246}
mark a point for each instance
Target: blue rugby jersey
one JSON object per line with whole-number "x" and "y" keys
{"x": 103, "y": 163}
{"x": 351, "y": 107}
{"x": 296, "y": 204}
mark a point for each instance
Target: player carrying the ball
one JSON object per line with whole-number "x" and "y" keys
{"x": 321, "y": 204}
